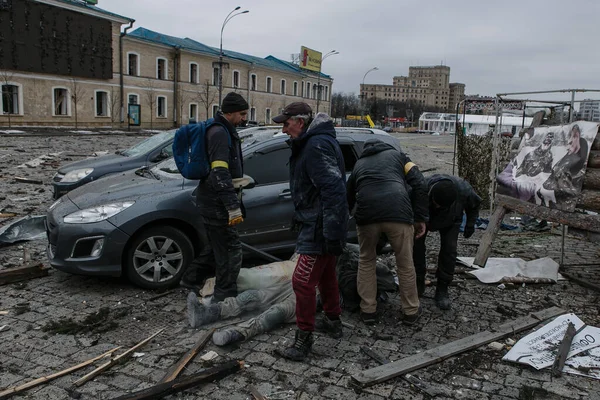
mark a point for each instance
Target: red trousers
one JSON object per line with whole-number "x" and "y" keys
{"x": 315, "y": 271}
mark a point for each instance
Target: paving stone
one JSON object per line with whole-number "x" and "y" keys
{"x": 260, "y": 358}
{"x": 336, "y": 392}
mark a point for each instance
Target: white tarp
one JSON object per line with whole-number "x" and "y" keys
{"x": 539, "y": 348}
{"x": 498, "y": 268}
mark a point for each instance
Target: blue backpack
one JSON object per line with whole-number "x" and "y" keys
{"x": 190, "y": 149}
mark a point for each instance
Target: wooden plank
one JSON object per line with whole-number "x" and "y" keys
{"x": 7, "y": 215}
{"x": 183, "y": 361}
{"x": 114, "y": 361}
{"x": 485, "y": 246}
{"x": 438, "y": 354}
{"x": 594, "y": 159}
{"x": 186, "y": 382}
{"x": 575, "y": 220}
{"x": 28, "y": 180}
{"x": 11, "y": 275}
{"x": 11, "y": 391}
{"x": 589, "y": 200}
{"x": 255, "y": 393}
{"x": 591, "y": 180}
{"x": 563, "y": 351}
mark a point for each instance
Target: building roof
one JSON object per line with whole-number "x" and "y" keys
{"x": 90, "y": 7}
{"x": 269, "y": 62}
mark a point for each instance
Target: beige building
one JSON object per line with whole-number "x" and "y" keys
{"x": 427, "y": 85}
{"x": 87, "y": 73}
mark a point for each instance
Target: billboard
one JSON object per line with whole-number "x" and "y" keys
{"x": 310, "y": 59}
{"x": 550, "y": 166}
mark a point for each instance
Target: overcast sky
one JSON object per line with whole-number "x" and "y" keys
{"x": 491, "y": 46}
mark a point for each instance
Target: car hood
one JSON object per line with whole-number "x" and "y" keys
{"x": 94, "y": 162}
{"x": 122, "y": 187}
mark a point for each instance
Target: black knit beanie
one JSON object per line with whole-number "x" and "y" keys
{"x": 444, "y": 193}
{"x": 233, "y": 102}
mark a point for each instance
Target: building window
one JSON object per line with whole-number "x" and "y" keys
{"x": 161, "y": 107}
{"x": 295, "y": 88}
{"x": 215, "y": 77}
{"x": 60, "y": 101}
{"x": 236, "y": 79}
{"x": 194, "y": 78}
{"x": 133, "y": 99}
{"x": 133, "y": 64}
{"x": 193, "y": 112}
{"x": 283, "y": 86}
{"x": 253, "y": 82}
{"x": 215, "y": 109}
{"x": 10, "y": 99}
{"x": 267, "y": 116}
{"x": 314, "y": 91}
{"x": 269, "y": 84}
{"x": 307, "y": 93}
{"x": 253, "y": 114}
{"x": 327, "y": 93}
{"x": 161, "y": 68}
{"x": 101, "y": 103}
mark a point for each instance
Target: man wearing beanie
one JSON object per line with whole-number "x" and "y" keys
{"x": 218, "y": 203}
{"x": 449, "y": 197}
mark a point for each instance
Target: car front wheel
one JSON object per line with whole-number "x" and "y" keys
{"x": 158, "y": 256}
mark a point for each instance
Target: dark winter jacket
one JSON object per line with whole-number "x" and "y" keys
{"x": 386, "y": 187}
{"x": 317, "y": 185}
{"x": 467, "y": 201}
{"x": 216, "y": 193}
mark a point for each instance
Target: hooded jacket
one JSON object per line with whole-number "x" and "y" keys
{"x": 216, "y": 194}
{"x": 467, "y": 201}
{"x": 317, "y": 185}
{"x": 386, "y": 186}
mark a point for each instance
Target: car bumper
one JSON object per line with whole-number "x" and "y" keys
{"x": 86, "y": 249}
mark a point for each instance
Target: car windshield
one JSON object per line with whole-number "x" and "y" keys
{"x": 151, "y": 143}
{"x": 167, "y": 168}
{"x": 252, "y": 135}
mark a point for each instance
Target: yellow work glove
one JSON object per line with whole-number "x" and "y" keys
{"x": 235, "y": 217}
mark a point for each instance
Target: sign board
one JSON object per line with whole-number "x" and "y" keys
{"x": 133, "y": 114}
{"x": 354, "y": 117}
{"x": 490, "y": 105}
{"x": 310, "y": 59}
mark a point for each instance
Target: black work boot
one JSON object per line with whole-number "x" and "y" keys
{"x": 420, "y": 285}
{"x": 332, "y": 327}
{"x": 301, "y": 347}
{"x": 442, "y": 300}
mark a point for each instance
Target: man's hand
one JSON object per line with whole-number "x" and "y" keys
{"x": 469, "y": 230}
{"x": 420, "y": 229}
{"x": 334, "y": 247}
{"x": 235, "y": 216}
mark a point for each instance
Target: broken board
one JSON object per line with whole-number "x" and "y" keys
{"x": 432, "y": 356}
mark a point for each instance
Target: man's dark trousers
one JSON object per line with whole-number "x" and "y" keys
{"x": 446, "y": 257}
{"x": 227, "y": 251}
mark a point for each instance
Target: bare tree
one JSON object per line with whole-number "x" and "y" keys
{"x": 150, "y": 94}
{"x": 77, "y": 94}
{"x": 182, "y": 98}
{"x": 7, "y": 99}
{"x": 115, "y": 105}
{"x": 206, "y": 96}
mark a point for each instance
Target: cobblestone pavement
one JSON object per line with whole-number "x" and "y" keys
{"x": 119, "y": 314}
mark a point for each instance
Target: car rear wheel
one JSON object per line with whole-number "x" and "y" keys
{"x": 158, "y": 256}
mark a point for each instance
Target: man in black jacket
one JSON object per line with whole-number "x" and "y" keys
{"x": 390, "y": 196}
{"x": 317, "y": 185}
{"x": 449, "y": 197}
{"x": 217, "y": 200}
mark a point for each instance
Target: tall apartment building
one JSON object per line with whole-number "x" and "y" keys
{"x": 427, "y": 85}
{"x": 589, "y": 110}
{"x": 68, "y": 62}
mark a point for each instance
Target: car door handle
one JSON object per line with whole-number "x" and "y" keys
{"x": 285, "y": 193}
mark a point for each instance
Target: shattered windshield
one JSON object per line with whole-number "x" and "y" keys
{"x": 167, "y": 168}
{"x": 147, "y": 145}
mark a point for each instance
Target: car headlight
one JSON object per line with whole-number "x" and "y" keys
{"x": 77, "y": 174}
{"x": 97, "y": 213}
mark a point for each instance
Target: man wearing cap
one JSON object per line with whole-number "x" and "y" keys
{"x": 318, "y": 188}
{"x": 217, "y": 200}
{"x": 449, "y": 197}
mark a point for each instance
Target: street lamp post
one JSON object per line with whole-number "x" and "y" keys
{"x": 331, "y": 53}
{"x": 227, "y": 19}
{"x": 362, "y": 97}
